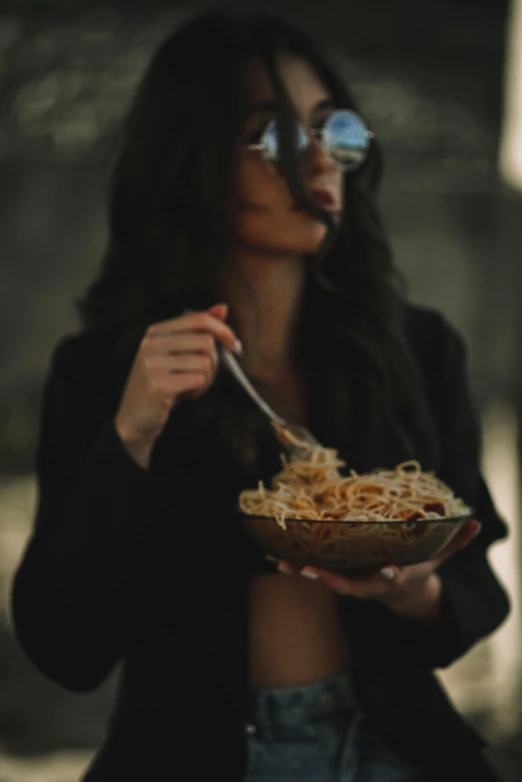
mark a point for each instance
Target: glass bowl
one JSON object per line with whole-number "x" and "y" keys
{"x": 353, "y": 547}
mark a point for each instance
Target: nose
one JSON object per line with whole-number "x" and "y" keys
{"x": 319, "y": 160}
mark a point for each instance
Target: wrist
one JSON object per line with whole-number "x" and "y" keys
{"x": 140, "y": 452}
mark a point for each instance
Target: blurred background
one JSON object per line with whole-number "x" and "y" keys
{"x": 441, "y": 83}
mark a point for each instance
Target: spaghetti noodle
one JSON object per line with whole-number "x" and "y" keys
{"x": 310, "y": 487}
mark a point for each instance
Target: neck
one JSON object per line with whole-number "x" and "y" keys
{"x": 264, "y": 295}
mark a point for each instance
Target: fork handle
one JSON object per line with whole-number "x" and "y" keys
{"x": 234, "y": 367}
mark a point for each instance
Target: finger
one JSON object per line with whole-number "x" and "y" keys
{"x": 178, "y": 385}
{"x": 366, "y": 587}
{"x": 209, "y": 374}
{"x": 197, "y": 321}
{"x": 472, "y": 528}
{"x": 341, "y": 584}
{"x": 283, "y": 567}
{"x": 184, "y": 342}
{"x": 287, "y": 570}
{"x": 189, "y": 343}
{"x": 391, "y": 574}
{"x": 181, "y": 383}
{"x": 181, "y": 362}
{"x": 219, "y": 311}
{"x": 193, "y": 396}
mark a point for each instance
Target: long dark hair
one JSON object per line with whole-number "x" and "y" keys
{"x": 169, "y": 187}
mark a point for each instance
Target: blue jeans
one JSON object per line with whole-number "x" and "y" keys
{"x": 317, "y": 733}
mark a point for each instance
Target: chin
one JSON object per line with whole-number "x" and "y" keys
{"x": 303, "y": 245}
{"x": 311, "y": 238}
{"x": 299, "y": 237}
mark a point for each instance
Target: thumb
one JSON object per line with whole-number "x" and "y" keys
{"x": 463, "y": 538}
{"x": 219, "y": 311}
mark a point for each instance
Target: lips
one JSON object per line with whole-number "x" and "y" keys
{"x": 324, "y": 198}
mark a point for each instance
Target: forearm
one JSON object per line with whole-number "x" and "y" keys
{"x": 74, "y": 589}
{"x": 473, "y": 604}
{"x": 91, "y": 537}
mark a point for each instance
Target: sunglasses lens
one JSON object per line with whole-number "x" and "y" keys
{"x": 271, "y": 142}
{"x": 346, "y": 138}
{"x": 302, "y": 138}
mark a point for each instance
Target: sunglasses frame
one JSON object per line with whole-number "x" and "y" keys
{"x": 311, "y": 134}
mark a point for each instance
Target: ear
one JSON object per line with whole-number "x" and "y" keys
{"x": 219, "y": 311}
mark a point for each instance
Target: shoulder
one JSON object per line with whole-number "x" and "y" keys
{"x": 80, "y": 354}
{"x": 77, "y": 348}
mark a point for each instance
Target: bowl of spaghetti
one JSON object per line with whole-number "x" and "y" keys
{"x": 357, "y": 523}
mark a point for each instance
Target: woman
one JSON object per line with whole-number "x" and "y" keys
{"x": 243, "y": 215}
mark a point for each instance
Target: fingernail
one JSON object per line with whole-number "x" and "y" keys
{"x": 220, "y": 304}
{"x": 477, "y": 531}
{"x": 271, "y": 559}
{"x": 285, "y": 569}
{"x": 388, "y": 573}
{"x": 309, "y": 573}
{"x": 238, "y": 348}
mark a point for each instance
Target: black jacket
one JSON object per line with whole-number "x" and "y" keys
{"x": 152, "y": 568}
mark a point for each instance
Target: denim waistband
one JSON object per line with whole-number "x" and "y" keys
{"x": 276, "y": 710}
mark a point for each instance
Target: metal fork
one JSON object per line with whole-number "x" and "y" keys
{"x": 294, "y": 436}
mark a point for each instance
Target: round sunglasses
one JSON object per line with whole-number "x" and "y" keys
{"x": 344, "y": 136}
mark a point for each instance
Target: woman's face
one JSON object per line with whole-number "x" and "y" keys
{"x": 264, "y": 215}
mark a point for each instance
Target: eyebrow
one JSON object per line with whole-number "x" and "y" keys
{"x": 269, "y": 105}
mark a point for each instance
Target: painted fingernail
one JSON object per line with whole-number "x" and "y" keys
{"x": 388, "y": 573}
{"x": 285, "y": 569}
{"x": 309, "y": 573}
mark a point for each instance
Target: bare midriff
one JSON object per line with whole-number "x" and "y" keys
{"x": 295, "y": 633}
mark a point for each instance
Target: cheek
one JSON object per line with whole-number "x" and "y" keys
{"x": 263, "y": 215}
{"x": 259, "y": 186}
{"x": 280, "y": 231}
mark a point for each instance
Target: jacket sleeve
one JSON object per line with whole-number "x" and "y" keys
{"x": 475, "y": 602}
{"x": 75, "y": 593}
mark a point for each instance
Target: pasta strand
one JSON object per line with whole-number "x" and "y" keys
{"x": 310, "y": 486}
